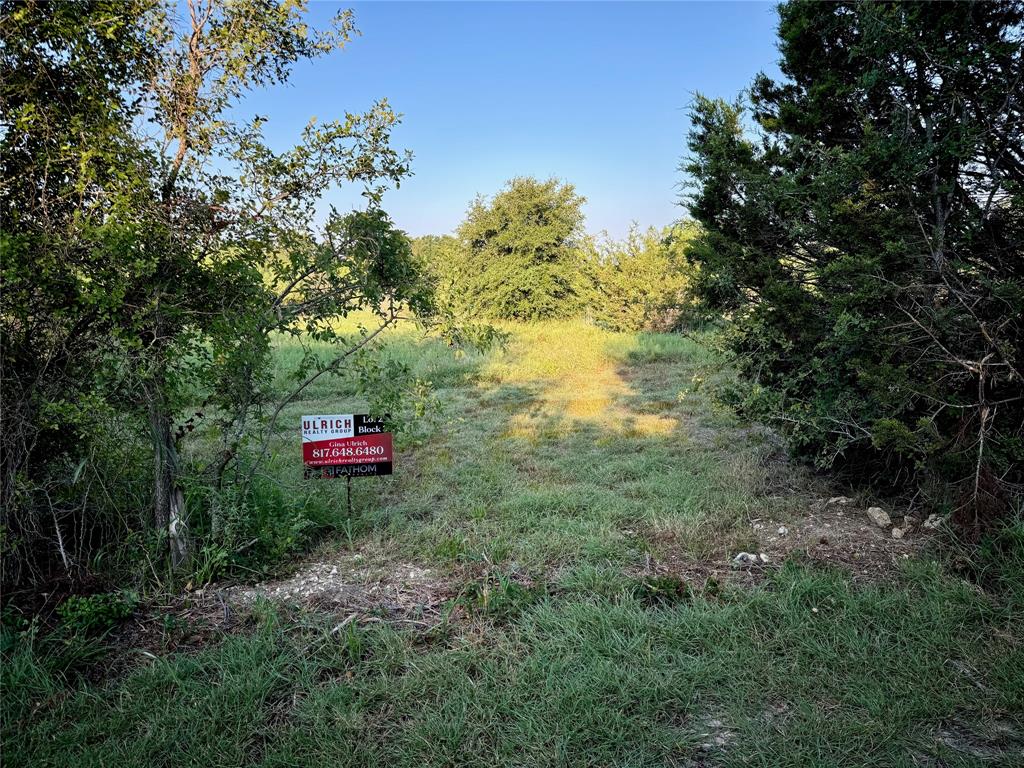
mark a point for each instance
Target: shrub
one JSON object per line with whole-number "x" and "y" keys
{"x": 640, "y": 283}
{"x": 95, "y": 614}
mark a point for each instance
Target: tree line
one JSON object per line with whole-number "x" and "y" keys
{"x": 523, "y": 255}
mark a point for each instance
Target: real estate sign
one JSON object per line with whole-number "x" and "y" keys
{"x": 346, "y": 445}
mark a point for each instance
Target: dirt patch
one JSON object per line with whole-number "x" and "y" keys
{"x": 184, "y": 624}
{"x": 833, "y": 533}
{"x": 992, "y": 742}
{"x": 839, "y": 533}
{"x": 347, "y": 583}
{"x": 367, "y": 586}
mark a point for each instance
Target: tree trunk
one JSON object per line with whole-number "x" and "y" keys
{"x": 169, "y": 513}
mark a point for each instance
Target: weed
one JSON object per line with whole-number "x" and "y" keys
{"x": 95, "y": 614}
{"x": 661, "y": 590}
{"x": 498, "y": 596}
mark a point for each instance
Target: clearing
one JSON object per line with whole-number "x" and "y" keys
{"x": 547, "y": 580}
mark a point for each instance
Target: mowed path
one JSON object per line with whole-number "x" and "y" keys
{"x": 569, "y": 453}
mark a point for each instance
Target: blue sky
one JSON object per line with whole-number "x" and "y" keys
{"x": 593, "y": 93}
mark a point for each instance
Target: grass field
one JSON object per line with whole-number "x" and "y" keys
{"x": 545, "y": 581}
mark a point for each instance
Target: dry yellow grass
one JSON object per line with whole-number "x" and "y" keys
{"x": 577, "y": 371}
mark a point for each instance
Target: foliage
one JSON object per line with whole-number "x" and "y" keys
{"x": 442, "y": 255}
{"x": 519, "y": 256}
{"x": 154, "y": 245}
{"x": 505, "y": 265}
{"x": 866, "y": 244}
{"x": 90, "y": 614}
{"x": 71, "y": 176}
{"x": 640, "y": 283}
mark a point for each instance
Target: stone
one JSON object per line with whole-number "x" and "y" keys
{"x": 744, "y": 558}
{"x": 762, "y": 557}
{"x": 841, "y": 500}
{"x": 897, "y": 533}
{"x": 879, "y": 517}
{"x": 783, "y": 530}
{"x": 933, "y": 522}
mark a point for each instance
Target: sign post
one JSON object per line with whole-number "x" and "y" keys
{"x": 346, "y": 445}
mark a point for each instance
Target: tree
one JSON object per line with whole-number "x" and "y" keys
{"x": 73, "y": 180}
{"x": 521, "y": 251}
{"x": 442, "y": 257}
{"x": 230, "y": 229}
{"x": 640, "y": 283}
{"x": 143, "y": 269}
{"x": 867, "y": 245}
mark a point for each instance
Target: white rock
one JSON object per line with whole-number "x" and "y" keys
{"x": 763, "y": 557}
{"x": 783, "y": 530}
{"x": 932, "y": 523}
{"x": 879, "y": 517}
{"x": 897, "y": 533}
{"x": 841, "y": 500}
{"x": 744, "y": 558}
{"x": 334, "y": 571}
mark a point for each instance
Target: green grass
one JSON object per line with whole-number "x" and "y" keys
{"x": 807, "y": 671}
{"x": 570, "y": 446}
{"x": 570, "y": 456}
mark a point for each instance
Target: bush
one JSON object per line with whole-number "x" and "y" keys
{"x": 95, "y": 614}
{"x": 640, "y": 283}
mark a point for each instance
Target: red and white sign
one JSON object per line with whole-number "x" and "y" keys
{"x": 347, "y": 444}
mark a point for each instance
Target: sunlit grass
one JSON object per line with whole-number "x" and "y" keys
{"x": 578, "y": 372}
